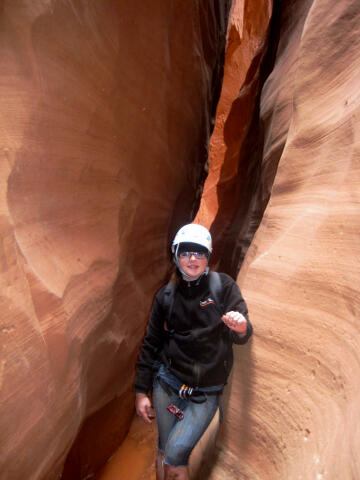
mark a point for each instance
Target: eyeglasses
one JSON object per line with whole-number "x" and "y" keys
{"x": 199, "y": 255}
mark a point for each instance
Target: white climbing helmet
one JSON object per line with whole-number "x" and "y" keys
{"x": 193, "y": 233}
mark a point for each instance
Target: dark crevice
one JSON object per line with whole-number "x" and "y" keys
{"x": 213, "y": 32}
{"x": 242, "y": 201}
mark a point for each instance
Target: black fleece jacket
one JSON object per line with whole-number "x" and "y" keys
{"x": 194, "y": 344}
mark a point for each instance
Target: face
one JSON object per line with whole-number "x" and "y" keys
{"x": 193, "y": 266}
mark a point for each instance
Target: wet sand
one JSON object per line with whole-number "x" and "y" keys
{"x": 135, "y": 458}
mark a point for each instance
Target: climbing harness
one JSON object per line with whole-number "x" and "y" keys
{"x": 189, "y": 393}
{"x": 185, "y": 391}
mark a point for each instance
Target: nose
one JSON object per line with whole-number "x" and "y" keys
{"x": 192, "y": 256}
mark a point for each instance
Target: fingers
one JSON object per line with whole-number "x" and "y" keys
{"x": 236, "y": 321}
{"x": 150, "y": 412}
{"x": 146, "y": 417}
{"x": 143, "y": 414}
{"x": 233, "y": 318}
{"x": 144, "y": 409}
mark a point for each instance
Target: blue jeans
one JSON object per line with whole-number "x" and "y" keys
{"x": 177, "y": 438}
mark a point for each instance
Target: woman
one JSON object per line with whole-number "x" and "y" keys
{"x": 188, "y": 349}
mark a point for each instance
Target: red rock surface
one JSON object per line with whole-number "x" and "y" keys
{"x": 248, "y": 24}
{"x": 106, "y": 109}
{"x": 298, "y": 381}
{"x": 99, "y": 143}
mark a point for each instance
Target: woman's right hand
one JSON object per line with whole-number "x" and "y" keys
{"x": 143, "y": 407}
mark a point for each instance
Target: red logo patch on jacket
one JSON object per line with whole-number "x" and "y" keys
{"x": 208, "y": 301}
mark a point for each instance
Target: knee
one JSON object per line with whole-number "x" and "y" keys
{"x": 177, "y": 455}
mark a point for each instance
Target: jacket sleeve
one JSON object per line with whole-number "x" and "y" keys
{"x": 152, "y": 345}
{"x": 233, "y": 301}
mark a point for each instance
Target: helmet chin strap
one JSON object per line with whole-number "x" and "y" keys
{"x": 183, "y": 274}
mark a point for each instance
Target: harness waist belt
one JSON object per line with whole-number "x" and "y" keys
{"x": 196, "y": 396}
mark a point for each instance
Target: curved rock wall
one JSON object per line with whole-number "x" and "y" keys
{"x": 293, "y": 407}
{"x": 105, "y": 125}
{"x": 105, "y": 120}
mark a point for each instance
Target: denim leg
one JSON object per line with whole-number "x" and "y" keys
{"x": 164, "y": 419}
{"x": 185, "y": 434}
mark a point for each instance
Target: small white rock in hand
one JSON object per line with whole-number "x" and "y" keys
{"x": 236, "y": 321}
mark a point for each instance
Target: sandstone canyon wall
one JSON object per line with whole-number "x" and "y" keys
{"x": 293, "y": 409}
{"x": 106, "y": 112}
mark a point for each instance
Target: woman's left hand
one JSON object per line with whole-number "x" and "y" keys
{"x": 236, "y": 321}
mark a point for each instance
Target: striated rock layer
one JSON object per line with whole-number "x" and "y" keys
{"x": 293, "y": 410}
{"x": 106, "y": 112}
